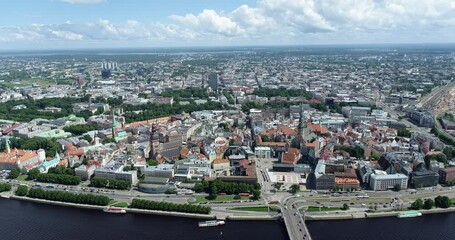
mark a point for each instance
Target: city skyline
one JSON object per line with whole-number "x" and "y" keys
{"x": 63, "y": 24}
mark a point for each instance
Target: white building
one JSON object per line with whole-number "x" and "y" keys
{"x": 262, "y": 152}
{"x": 85, "y": 172}
{"x": 385, "y": 182}
{"x": 161, "y": 170}
{"x": 115, "y": 171}
{"x": 221, "y": 165}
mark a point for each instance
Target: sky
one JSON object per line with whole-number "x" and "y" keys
{"x": 60, "y": 24}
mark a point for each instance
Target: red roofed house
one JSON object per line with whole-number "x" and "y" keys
{"x": 291, "y": 156}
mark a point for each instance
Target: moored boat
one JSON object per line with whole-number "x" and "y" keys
{"x": 212, "y": 223}
{"x": 114, "y": 210}
{"x": 409, "y": 214}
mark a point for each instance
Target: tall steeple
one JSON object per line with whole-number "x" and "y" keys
{"x": 154, "y": 142}
{"x": 302, "y": 121}
{"x": 7, "y": 147}
{"x": 114, "y": 124}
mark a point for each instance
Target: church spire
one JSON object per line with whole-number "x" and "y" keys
{"x": 302, "y": 121}
{"x": 114, "y": 124}
{"x": 7, "y": 147}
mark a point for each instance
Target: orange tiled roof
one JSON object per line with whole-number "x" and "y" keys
{"x": 317, "y": 128}
{"x": 291, "y": 156}
{"x": 220, "y": 161}
{"x": 349, "y": 181}
{"x": 184, "y": 152}
{"x": 17, "y": 155}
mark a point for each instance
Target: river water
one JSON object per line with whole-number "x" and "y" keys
{"x": 20, "y": 220}
{"x": 427, "y": 227}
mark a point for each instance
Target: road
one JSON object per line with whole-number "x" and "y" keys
{"x": 294, "y": 220}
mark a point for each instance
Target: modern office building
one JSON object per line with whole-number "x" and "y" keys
{"x": 388, "y": 181}
{"x": 213, "y": 81}
{"x": 424, "y": 178}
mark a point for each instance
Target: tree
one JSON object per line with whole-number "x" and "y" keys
{"x": 87, "y": 138}
{"x": 22, "y": 190}
{"x": 198, "y": 187}
{"x": 80, "y": 128}
{"x": 295, "y": 188}
{"x": 4, "y": 187}
{"x": 375, "y": 157}
{"x": 397, "y": 187}
{"x": 277, "y": 185}
{"x": 256, "y": 194}
{"x": 15, "y": 172}
{"x": 169, "y": 207}
{"x": 428, "y": 204}
{"x": 213, "y": 191}
{"x": 49, "y": 145}
{"x": 152, "y": 162}
{"x": 33, "y": 173}
{"x": 417, "y": 204}
{"x": 448, "y": 151}
{"x": 68, "y": 197}
{"x": 442, "y": 202}
{"x": 404, "y": 133}
{"x": 108, "y": 140}
{"x": 171, "y": 191}
{"x": 345, "y": 207}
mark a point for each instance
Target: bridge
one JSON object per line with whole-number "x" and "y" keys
{"x": 294, "y": 220}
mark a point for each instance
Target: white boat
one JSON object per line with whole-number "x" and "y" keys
{"x": 409, "y": 214}
{"x": 114, "y": 210}
{"x": 212, "y": 223}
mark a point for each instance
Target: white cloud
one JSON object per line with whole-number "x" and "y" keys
{"x": 211, "y": 22}
{"x": 83, "y": 1}
{"x": 270, "y": 21}
{"x": 67, "y": 35}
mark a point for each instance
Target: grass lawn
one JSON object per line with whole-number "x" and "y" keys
{"x": 321, "y": 209}
{"x": 226, "y": 198}
{"x": 256, "y": 209}
{"x": 119, "y": 204}
{"x": 21, "y": 177}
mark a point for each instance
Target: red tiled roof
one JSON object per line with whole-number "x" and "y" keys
{"x": 291, "y": 156}
{"x": 220, "y": 161}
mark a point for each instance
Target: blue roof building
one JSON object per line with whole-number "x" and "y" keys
{"x": 44, "y": 167}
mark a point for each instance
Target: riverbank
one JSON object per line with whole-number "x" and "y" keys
{"x": 128, "y": 210}
{"x": 151, "y": 212}
{"x": 347, "y": 216}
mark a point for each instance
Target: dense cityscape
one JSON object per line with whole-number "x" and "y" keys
{"x": 229, "y": 120}
{"x": 292, "y": 133}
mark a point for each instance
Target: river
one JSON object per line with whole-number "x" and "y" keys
{"x": 432, "y": 226}
{"x": 26, "y": 220}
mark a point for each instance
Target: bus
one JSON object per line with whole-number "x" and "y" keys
{"x": 364, "y": 196}
{"x": 244, "y": 194}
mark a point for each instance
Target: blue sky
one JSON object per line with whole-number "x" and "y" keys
{"x": 43, "y": 24}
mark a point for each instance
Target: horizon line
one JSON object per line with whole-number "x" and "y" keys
{"x": 3, "y": 50}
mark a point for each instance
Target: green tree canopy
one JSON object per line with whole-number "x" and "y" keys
{"x": 428, "y": 204}
{"x": 417, "y": 204}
